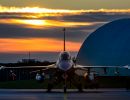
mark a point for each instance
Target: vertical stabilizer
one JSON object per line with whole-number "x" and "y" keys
{"x": 64, "y": 38}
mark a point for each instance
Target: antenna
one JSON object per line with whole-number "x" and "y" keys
{"x": 64, "y": 38}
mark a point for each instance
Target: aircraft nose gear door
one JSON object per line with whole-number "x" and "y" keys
{"x": 65, "y": 82}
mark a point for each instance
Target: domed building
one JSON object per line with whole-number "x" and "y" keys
{"x": 107, "y": 46}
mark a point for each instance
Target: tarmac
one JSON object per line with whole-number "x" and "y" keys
{"x": 58, "y": 94}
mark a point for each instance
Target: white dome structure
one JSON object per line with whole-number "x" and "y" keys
{"x": 107, "y": 46}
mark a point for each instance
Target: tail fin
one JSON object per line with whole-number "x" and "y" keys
{"x": 64, "y": 38}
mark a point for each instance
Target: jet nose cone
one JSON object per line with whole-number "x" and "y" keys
{"x": 65, "y": 66}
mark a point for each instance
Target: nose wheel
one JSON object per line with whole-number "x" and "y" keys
{"x": 65, "y": 88}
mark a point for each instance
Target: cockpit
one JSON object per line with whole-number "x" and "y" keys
{"x": 65, "y": 56}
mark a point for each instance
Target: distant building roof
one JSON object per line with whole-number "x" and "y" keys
{"x": 28, "y": 60}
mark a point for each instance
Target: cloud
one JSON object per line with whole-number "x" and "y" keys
{"x": 72, "y": 33}
{"x": 48, "y": 23}
{"x": 46, "y": 10}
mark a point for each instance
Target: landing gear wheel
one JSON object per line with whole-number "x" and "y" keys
{"x": 49, "y": 87}
{"x": 80, "y": 88}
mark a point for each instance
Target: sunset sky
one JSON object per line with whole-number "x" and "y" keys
{"x": 36, "y": 25}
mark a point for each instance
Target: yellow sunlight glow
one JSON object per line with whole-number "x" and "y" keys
{"x": 46, "y": 10}
{"x": 36, "y": 45}
{"x": 43, "y": 23}
{"x": 36, "y": 10}
{"x": 32, "y": 22}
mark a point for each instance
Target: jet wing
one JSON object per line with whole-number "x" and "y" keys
{"x": 1, "y": 67}
{"x": 127, "y": 67}
{"x": 84, "y": 70}
{"x": 82, "y": 66}
{"x": 45, "y": 68}
{"x": 80, "y": 70}
{"x": 20, "y": 67}
{"x": 48, "y": 68}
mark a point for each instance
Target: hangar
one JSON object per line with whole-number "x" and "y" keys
{"x": 109, "y": 45}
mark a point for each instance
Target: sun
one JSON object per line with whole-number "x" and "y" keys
{"x": 34, "y": 22}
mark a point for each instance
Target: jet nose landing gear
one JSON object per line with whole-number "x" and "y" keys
{"x": 65, "y": 82}
{"x": 65, "y": 88}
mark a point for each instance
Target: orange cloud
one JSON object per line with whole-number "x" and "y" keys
{"x": 36, "y": 45}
